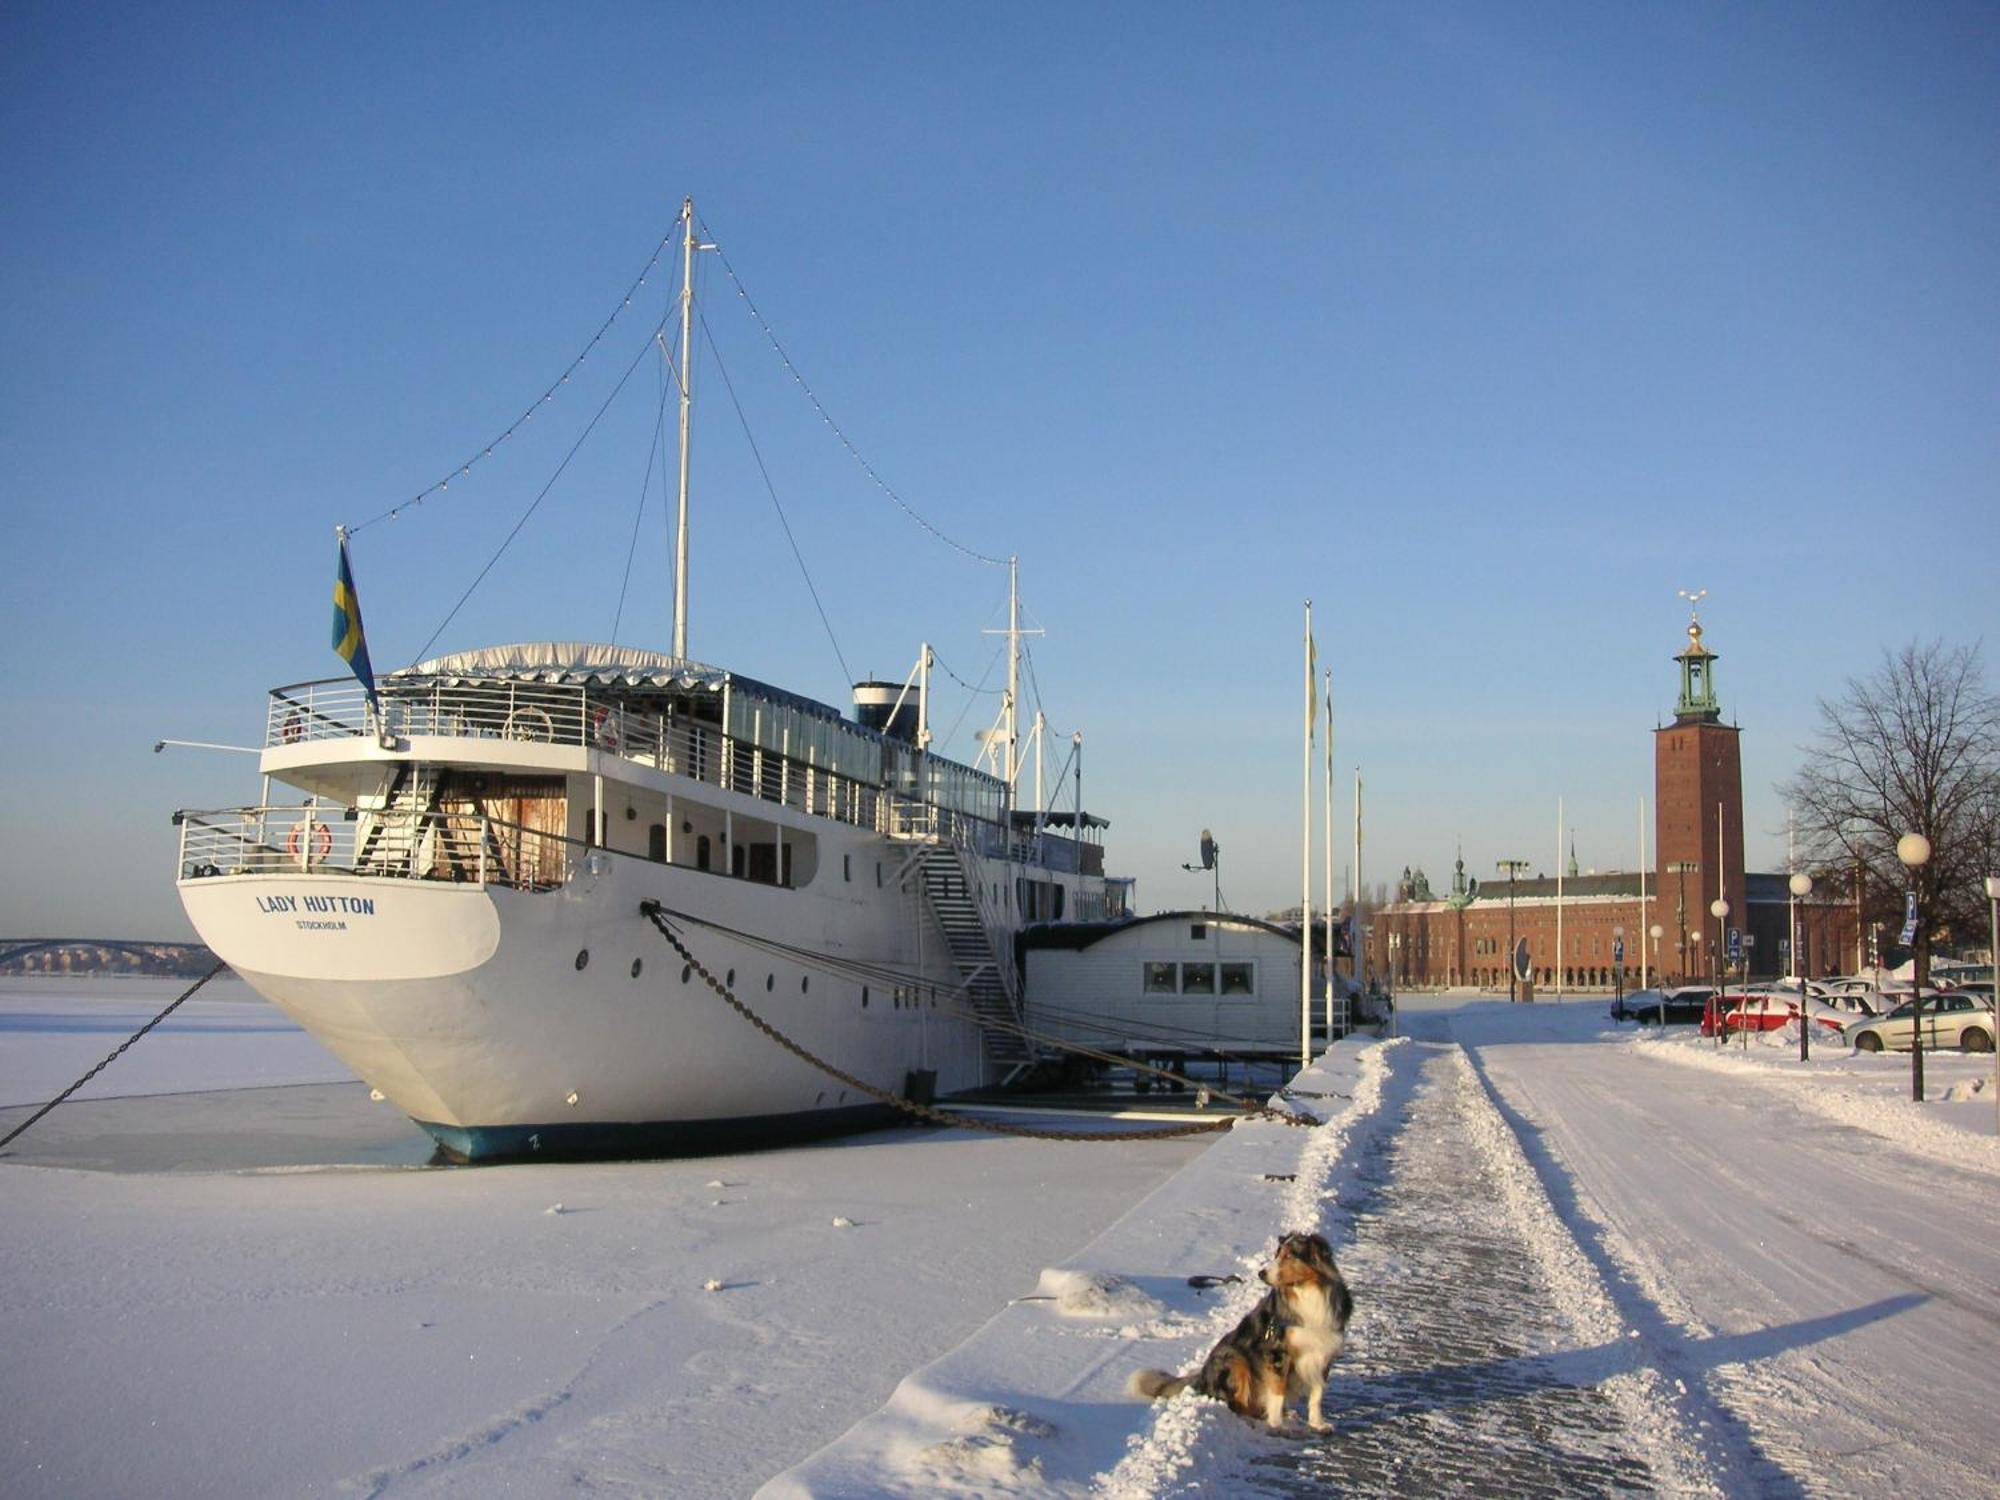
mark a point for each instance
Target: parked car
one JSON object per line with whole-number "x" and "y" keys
{"x": 1950, "y": 1020}
{"x": 1683, "y": 1005}
{"x": 1854, "y": 1005}
{"x": 1980, "y": 990}
{"x": 1767, "y": 1008}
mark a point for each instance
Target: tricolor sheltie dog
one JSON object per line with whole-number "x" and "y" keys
{"x": 1282, "y": 1349}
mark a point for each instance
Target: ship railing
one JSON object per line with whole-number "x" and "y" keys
{"x": 568, "y": 714}
{"x": 458, "y": 847}
{"x": 912, "y": 821}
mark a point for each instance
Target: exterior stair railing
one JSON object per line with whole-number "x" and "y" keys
{"x": 981, "y": 948}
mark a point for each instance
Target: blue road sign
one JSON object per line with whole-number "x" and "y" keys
{"x": 1735, "y": 943}
{"x": 1618, "y": 950}
{"x": 1909, "y": 920}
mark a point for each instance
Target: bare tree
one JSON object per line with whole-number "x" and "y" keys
{"x": 1912, "y": 748}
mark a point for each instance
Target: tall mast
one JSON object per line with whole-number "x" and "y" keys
{"x": 686, "y": 382}
{"x": 1014, "y": 669}
{"x": 1009, "y": 714}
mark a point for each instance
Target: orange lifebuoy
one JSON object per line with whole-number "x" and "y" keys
{"x": 322, "y": 840}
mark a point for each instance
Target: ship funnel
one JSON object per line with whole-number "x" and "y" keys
{"x": 876, "y": 708}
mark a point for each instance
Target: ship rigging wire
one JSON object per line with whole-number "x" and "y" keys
{"x": 655, "y": 448}
{"x": 655, "y": 336}
{"x": 771, "y": 489}
{"x": 486, "y": 451}
{"x": 535, "y": 504}
{"x": 835, "y": 428}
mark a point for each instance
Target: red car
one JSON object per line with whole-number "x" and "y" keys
{"x": 1761, "y": 1009}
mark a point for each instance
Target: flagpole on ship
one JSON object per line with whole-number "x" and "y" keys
{"x": 684, "y": 378}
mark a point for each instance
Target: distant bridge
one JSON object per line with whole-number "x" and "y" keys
{"x": 86, "y": 955}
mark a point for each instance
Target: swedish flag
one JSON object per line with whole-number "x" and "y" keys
{"x": 348, "y": 639}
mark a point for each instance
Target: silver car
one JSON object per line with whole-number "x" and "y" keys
{"x": 1950, "y": 1020}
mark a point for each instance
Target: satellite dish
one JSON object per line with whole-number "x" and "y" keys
{"x": 1207, "y": 850}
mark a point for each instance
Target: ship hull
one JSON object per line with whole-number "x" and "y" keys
{"x": 511, "y": 1023}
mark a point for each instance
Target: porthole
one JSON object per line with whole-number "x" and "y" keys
{"x": 637, "y": 965}
{"x": 864, "y": 997}
{"x": 730, "y": 980}
{"x": 805, "y": 982}
{"x": 687, "y": 972}
{"x": 582, "y": 957}
{"x": 770, "y": 982}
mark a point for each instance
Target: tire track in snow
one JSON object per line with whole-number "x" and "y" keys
{"x": 1489, "y": 1359}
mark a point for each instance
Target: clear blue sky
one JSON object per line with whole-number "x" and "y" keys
{"x": 1486, "y": 327}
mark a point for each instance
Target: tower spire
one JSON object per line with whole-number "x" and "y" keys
{"x": 1697, "y": 703}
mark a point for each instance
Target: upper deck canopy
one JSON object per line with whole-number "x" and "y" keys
{"x": 595, "y": 664}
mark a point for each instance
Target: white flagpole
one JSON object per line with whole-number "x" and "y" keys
{"x": 1559, "y": 899}
{"x": 1360, "y": 945}
{"x": 1305, "y": 858}
{"x": 1645, "y": 932}
{"x": 1328, "y": 781}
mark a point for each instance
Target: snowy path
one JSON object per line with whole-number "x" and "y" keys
{"x": 1464, "y": 1378}
{"x": 1824, "y": 1296}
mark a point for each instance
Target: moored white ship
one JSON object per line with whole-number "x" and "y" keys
{"x": 460, "y": 910}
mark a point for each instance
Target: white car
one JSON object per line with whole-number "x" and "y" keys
{"x": 1949, "y": 1021}
{"x": 1853, "y": 1005}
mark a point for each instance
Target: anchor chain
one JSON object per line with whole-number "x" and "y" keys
{"x": 657, "y": 916}
{"x": 113, "y": 1057}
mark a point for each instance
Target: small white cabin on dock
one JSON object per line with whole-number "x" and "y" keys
{"x": 1175, "y": 983}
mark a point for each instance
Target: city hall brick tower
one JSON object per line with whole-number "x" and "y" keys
{"x": 1697, "y": 775}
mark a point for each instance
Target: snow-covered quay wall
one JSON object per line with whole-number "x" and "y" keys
{"x": 1035, "y": 1402}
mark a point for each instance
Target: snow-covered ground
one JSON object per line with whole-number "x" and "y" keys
{"x": 1585, "y": 1260}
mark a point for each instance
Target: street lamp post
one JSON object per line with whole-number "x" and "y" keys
{"x": 1656, "y": 931}
{"x": 1914, "y": 850}
{"x": 1683, "y": 868}
{"x": 1511, "y": 868}
{"x": 1993, "y": 939}
{"x": 1719, "y": 908}
{"x": 1801, "y": 884}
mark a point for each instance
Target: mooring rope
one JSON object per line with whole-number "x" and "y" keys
{"x": 115, "y": 1052}
{"x": 808, "y": 959}
{"x": 657, "y": 915}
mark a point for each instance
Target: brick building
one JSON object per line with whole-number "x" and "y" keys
{"x": 1418, "y": 941}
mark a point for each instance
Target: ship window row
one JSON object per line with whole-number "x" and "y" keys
{"x": 1200, "y": 979}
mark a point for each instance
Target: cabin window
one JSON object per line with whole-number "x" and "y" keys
{"x": 1197, "y": 979}
{"x": 1163, "y": 979}
{"x": 1198, "y": 931}
{"x": 656, "y": 843}
{"x": 1239, "y": 979}
{"x": 846, "y": 867}
{"x": 703, "y": 853}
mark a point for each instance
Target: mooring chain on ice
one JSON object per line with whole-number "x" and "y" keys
{"x": 657, "y": 916}
{"x": 114, "y": 1055}
{"x": 807, "y": 959}
{"x": 1249, "y": 1107}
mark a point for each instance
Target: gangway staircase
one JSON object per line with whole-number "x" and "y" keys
{"x": 981, "y": 949}
{"x": 398, "y": 837}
